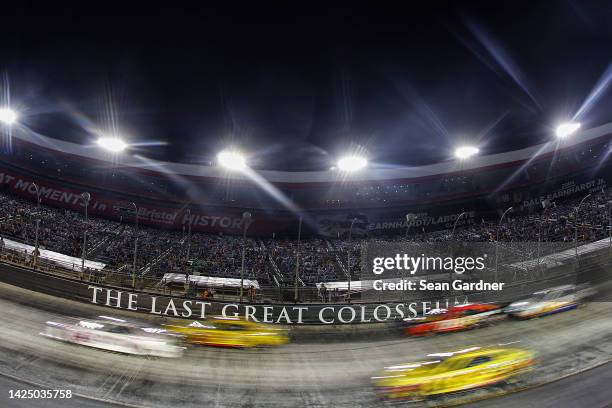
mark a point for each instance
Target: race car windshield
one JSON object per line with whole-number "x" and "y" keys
{"x": 537, "y": 297}
{"x": 119, "y": 329}
{"x": 479, "y": 360}
{"x": 559, "y": 293}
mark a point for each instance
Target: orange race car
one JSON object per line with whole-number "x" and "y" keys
{"x": 456, "y": 318}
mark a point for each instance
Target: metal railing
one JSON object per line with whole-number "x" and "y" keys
{"x": 273, "y": 294}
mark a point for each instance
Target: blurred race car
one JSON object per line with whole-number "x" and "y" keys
{"x": 549, "y": 301}
{"x": 456, "y": 318}
{"x": 231, "y": 332}
{"x": 451, "y": 372}
{"x": 113, "y": 334}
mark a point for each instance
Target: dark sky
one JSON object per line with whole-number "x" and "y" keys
{"x": 294, "y": 84}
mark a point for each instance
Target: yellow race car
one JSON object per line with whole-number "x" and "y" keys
{"x": 231, "y": 332}
{"x": 451, "y": 372}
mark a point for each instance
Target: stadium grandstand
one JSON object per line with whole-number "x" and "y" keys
{"x": 322, "y": 259}
{"x": 189, "y": 221}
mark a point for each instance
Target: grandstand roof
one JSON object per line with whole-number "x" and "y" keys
{"x": 451, "y": 166}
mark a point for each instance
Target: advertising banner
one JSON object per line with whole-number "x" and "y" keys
{"x": 333, "y": 224}
{"x": 227, "y": 221}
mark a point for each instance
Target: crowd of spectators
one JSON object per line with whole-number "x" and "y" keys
{"x": 320, "y": 259}
{"x": 113, "y": 242}
{"x": 316, "y": 257}
{"x": 553, "y": 222}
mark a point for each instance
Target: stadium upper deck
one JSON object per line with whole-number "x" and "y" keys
{"x": 379, "y": 198}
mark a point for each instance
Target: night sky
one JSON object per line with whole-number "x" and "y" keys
{"x": 294, "y": 84}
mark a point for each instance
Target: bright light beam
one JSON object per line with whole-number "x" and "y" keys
{"x": 8, "y": 116}
{"x": 232, "y": 160}
{"x": 521, "y": 169}
{"x": 498, "y": 60}
{"x": 466, "y": 152}
{"x": 352, "y": 163}
{"x": 273, "y": 192}
{"x": 112, "y": 143}
{"x": 567, "y": 129}
{"x": 596, "y": 93}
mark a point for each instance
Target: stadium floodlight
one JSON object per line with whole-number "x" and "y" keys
{"x": 112, "y": 143}
{"x": 231, "y": 160}
{"x": 567, "y": 129}
{"x": 352, "y": 163}
{"x": 465, "y": 152}
{"x": 8, "y": 116}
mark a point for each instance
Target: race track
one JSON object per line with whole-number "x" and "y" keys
{"x": 588, "y": 389}
{"x": 301, "y": 375}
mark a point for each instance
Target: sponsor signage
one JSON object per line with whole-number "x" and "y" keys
{"x": 326, "y": 314}
{"x": 567, "y": 189}
{"x": 339, "y": 223}
{"x": 208, "y": 220}
{"x": 293, "y": 314}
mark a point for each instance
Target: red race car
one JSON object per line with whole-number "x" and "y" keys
{"x": 456, "y": 318}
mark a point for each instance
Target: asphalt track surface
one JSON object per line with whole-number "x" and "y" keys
{"x": 589, "y": 389}
{"x": 296, "y": 375}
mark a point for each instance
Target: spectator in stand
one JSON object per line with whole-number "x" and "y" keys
{"x": 35, "y": 255}
{"x": 321, "y": 260}
{"x": 323, "y": 292}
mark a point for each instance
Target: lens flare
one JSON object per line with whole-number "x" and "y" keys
{"x": 8, "y": 116}
{"x": 567, "y": 129}
{"x": 112, "y": 143}
{"x": 352, "y": 163}
{"x": 465, "y": 152}
{"x": 232, "y": 160}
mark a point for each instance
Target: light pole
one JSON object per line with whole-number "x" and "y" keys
{"x": 135, "y": 245}
{"x": 297, "y": 263}
{"x": 546, "y": 204}
{"x": 576, "y": 225}
{"x": 497, "y": 241}
{"x": 37, "y": 189}
{"x": 188, "y": 239}
{"x": 188, "y": 249}
{"x": 450, "y": 275}
{"x": 246, "y": 222}
{"x": 610, "y": 226}
{"x": 85, "y": 197}
{"x": 456, "y": 221}
{"x": 348, "y": 259}
{"x": 409, "y": 218}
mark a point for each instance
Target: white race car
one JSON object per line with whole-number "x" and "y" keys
{"x": 113, "y": 334}
{"x": 549, "y": 301}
